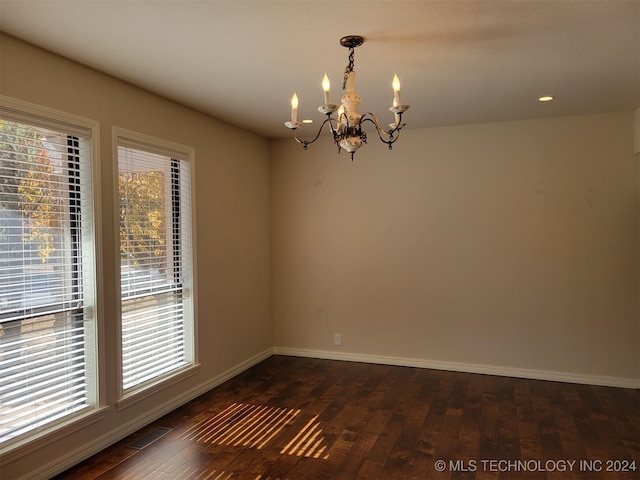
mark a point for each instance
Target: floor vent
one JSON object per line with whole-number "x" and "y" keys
{"x": 150, "y": 438}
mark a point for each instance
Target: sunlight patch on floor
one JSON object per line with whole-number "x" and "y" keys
{"x": 240, "y": 424}
{"x": 309, "y": 442}
{"x": 254, "y": 426}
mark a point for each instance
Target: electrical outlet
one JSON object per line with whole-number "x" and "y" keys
{"x": 337, "y": 339}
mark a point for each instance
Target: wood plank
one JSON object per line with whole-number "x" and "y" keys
{"x": 365, "y": 421}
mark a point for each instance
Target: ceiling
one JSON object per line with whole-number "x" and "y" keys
{"x": 459, "y": 62}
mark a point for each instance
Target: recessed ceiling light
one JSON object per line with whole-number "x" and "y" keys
{"x": 307, "y": 121}
{"x": 546, "y": 98}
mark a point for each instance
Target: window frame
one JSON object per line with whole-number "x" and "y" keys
{"x": 122, "y": 137}
{"x": 20, "y": 111}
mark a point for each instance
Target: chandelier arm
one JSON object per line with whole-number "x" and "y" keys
{"x": 334, "y": 131}
{"x": 306, "y": 143}
{"x": 381, "y": 131}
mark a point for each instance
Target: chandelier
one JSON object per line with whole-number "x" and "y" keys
{"x": 347, "y": 128}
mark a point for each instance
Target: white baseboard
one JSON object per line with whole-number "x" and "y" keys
{"x": 61, "y": 464}
{"x": 462, "y": 367}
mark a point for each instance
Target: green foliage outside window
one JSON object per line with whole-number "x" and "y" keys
{"x": 28, "y": 185}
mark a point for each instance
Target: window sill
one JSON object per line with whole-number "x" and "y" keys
{"x": 145, "y": 392}
{"x": 37, "y": 441}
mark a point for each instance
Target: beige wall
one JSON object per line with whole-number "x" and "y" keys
{"x": 500, "y": 248}
{"x": 232, "y": 201}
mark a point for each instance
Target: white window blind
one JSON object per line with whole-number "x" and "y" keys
{"x": 155, "y": 268}
{"x": 47, "y": 341}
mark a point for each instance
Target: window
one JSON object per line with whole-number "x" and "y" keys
{"x": 47, "y": 271}
{"x": 157, "y": 320}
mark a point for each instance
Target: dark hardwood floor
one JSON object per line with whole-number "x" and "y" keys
{"x": 299, "y": 418}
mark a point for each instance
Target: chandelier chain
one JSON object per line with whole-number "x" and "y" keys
{"x": 349, "y": 68}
